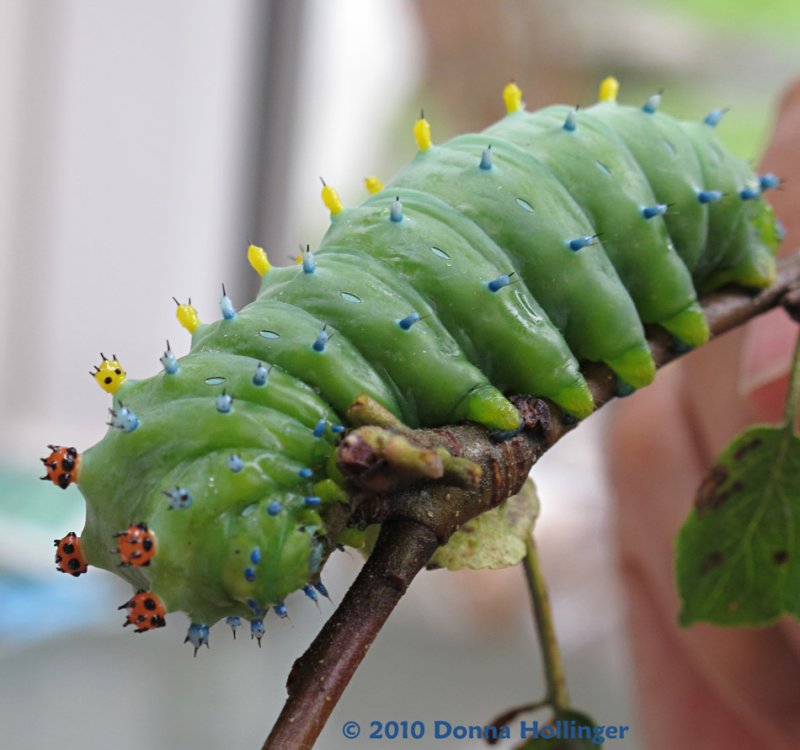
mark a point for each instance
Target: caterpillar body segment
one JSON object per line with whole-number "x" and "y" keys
{"x": 369, "y": 301}
{"x": 524, "y": 208}
{"x": 283, "y": 335}
{"x": 605, "y": 180}
{"x": 452, "y": 262}
{"x": 492, "y": 264}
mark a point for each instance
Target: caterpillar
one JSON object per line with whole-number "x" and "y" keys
{"x": 495, "y": 263}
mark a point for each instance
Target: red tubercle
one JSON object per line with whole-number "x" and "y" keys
{"x": 61, "y": 466}
{"x": 136, "y": 545}
{"x": 145, "y": 610}
{"x": 69, "y": 555}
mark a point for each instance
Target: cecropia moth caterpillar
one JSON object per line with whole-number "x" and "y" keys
{"x": 495, "y": 263}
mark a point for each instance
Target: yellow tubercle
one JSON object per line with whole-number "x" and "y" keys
{"x": 187, "y": 316}
{"x": 609, "y": 87}
{"x": 373, "y": 185}
{"x": 110, "y": 375}
{"x": 422, "y": 133}
{"x": 258, "y": 259}
{"x": 512, "y": 96}
{"x": 331, "y": 199}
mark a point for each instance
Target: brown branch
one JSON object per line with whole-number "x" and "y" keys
{"x": 415, "y": 521}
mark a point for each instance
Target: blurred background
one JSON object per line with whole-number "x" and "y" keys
{"x": 142, "y": 146}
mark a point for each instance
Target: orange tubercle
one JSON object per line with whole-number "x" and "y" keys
{"x": 145, "y": 610}
{"x": 61, "y": 466}
{"x": 136, "y": 546}
{"x": 69, "y": 555}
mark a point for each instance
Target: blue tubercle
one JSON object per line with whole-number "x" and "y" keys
{"x": 305, "y": 473}
{"x": 255, "y": 555}
{"x": 257, "y": 630}
{"x": 319, "y": 430}
{"x": 234, "y": 623}
{"x": 321, "y": 340}
{"x": 226, "y": 306}
{"x": 396, "y": 211}
{"x": 495, "y": 285}
{"x": 337, "y": 428}
{"x": 280, "y": 610}
{"x": 224, "y": 403}
{"x": 581, "y": 242}
{"x": 749, "y": 193}
{"x": 650, "y": 212}
{"x": 123, "y": 419}
{"x": 312, "y": 502}
{"x": 169, "y": 363}
{"x": 235, "y": 463}
{"x": 651, "y": 105}
{"x": 179, "y": 499}
{"x": 408, "y": 321}
{"x": 572, "y": 121}
{"x": 274, "y": 508}
{"x": 768, "y": 181}
{"x": 712, "y": 119}
{"x": 250, "y": 574}
{"x": 197, "y": 635}
{"x": 320, "y": 586}
{"x": 261, "y": 375}
{"x": 486, "y": 158}
{"x": 309, "y": 264}
{"x": 308, "y": 590}
{"x": 709, "y": 196}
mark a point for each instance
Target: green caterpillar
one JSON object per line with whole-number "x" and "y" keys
{"x": 492, "y": 264}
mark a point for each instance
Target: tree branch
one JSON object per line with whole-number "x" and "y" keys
{"x": 417, "y": 520}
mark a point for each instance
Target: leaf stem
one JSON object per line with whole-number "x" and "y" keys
{"x": 557, "y": 695}
{"x": 793, "y": 395}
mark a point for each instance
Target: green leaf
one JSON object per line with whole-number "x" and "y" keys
{"x": 495, "y": 539}
{"x": 738, "y": 561}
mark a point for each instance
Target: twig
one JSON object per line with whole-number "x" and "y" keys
{"x": 557, "y": 695}
{"x": 319, "y": 677}
{"x": 417, "y": 521}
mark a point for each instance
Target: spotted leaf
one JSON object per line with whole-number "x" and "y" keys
{"x": 737, "y": 554}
